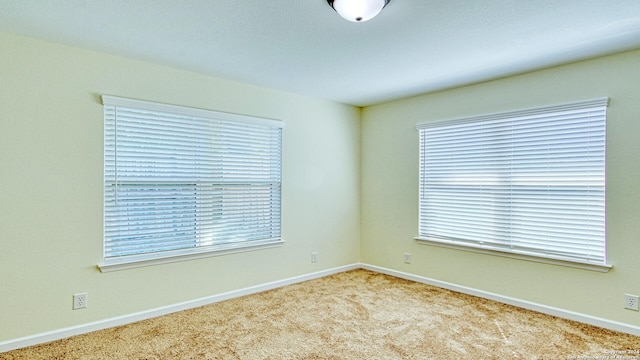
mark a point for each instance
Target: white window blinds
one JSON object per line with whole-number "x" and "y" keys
{"x": 528, "y": 182}
{"x": 182, "y": 180}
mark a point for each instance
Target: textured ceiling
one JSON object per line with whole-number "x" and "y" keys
{"x": 304, "y": 47}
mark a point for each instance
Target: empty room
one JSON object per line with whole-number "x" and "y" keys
{"x": 319, "y": 179}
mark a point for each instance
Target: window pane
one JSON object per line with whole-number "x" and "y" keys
{"x": 529, "y": 182}
{"x": 181, "y": 179}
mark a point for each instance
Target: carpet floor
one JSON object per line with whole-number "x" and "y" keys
{"x": 352, "y": 315}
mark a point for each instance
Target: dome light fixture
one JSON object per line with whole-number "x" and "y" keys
{"x": 358, "y": 10}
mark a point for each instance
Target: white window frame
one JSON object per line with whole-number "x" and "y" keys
{"x": 475, "y": 194}
{"x": 183, "y": 183}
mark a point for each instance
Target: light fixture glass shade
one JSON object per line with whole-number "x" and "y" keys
{"x": 358, "y": 10}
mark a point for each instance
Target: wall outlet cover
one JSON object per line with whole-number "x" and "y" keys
{"x": 79, "y": 301}
{"x": 631, "y": 302}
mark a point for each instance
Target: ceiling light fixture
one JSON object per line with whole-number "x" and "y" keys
{"x": 358, "y": 10}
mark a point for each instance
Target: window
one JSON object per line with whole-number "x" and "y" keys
{"x": 184, "y": 182}
{"x": 529, "y": 182}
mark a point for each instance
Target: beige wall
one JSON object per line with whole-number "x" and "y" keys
{"x": 51, "y": 186}
{"x": 349, "y": 187}
{"x": 389, "y": 188}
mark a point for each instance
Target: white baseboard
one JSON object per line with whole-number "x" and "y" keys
{"x": 549, "y": 310}
{"x": 148, "y": 314}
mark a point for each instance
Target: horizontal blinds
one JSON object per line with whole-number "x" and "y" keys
{"x": 529, "y": 182}
{"x": 177, "y": 180}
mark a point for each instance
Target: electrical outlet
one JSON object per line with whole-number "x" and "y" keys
{"x": 314, "y": 257}
{"x": 79, "y": 301}
{"x": 631, "y": 302}
{"x": 406, "y": 258}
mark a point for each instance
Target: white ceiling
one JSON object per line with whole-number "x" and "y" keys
{"x": 304, "y": 47}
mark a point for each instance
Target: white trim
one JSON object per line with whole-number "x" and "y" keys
{"x": 514, "y": 255}
{"x": 184, "y": 110}
{"x": 148, "y": 314}
{"x": 549, "y": 310}
{"x": 189, "y": 254}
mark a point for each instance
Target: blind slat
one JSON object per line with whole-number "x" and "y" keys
{"x": 178, "y": 178}
{"x": 529, "y": 181}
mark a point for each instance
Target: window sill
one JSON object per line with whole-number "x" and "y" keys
{"x": 157, "y": 259}
{"x": 585, "y": 266}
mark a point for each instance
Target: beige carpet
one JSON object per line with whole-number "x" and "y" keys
{"x": 353, "y": 315}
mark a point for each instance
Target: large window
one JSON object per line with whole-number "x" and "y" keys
{"x": 184, "y": 182}
{"x": 529, "y": 182}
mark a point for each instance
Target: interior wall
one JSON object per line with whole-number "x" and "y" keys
{"x": 389, "y": 188}
{"x": 51, "y": 186}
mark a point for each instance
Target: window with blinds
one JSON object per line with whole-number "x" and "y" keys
{"x": 529, "y": 182}
{"x": 180, "y": 181}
